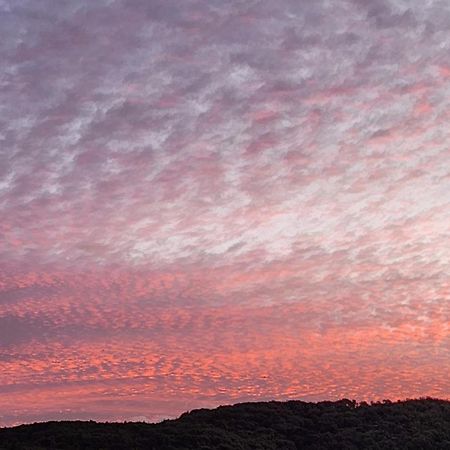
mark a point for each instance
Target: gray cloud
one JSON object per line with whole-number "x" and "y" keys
{"x": 268, "y": 174}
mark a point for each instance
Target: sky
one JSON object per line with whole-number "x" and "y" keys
{"x": 204, "y": 202}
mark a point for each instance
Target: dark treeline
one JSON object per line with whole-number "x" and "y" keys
{"x": 411, "y": 424}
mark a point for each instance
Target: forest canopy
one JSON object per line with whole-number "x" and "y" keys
{"x": 291, "y": 425}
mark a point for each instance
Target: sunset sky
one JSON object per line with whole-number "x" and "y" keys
{"x": 204, "y": 202}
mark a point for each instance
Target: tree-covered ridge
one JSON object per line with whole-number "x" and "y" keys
{"x": 411, "y": 424}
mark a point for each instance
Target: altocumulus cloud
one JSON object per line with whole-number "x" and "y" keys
{"x": 186, "y": 188}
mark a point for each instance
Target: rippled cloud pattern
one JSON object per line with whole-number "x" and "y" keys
{"x": 211, "y": 201}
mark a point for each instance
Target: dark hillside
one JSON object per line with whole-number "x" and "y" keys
{"x": 412, "y": 424}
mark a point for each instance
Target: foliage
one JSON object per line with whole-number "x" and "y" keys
{"x": 412, "y": 424}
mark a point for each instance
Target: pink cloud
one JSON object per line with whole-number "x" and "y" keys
{"x": 197, "y": 212}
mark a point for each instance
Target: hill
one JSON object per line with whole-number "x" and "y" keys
{"x": 411, "y": 424}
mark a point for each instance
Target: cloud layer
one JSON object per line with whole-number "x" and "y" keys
{"x": 210, "y": 201}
